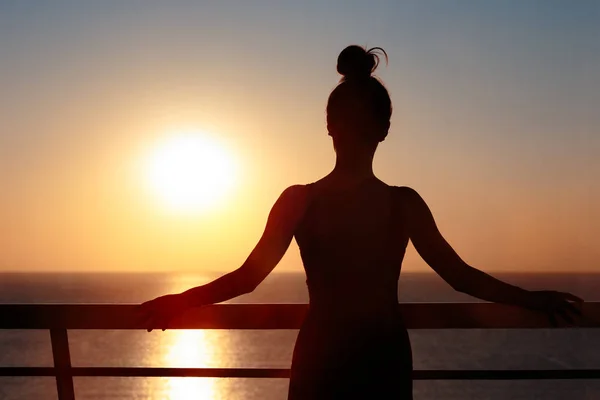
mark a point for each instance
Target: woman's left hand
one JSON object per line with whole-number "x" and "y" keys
{"x": 160, "y": 311}
{"x": 558, "y": 304}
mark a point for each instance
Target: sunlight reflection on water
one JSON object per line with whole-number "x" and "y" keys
{"x": 188, "y": 389}
{"x": 187, "y": 350}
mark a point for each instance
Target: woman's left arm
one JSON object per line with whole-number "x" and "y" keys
{"x": 274, "y": 242}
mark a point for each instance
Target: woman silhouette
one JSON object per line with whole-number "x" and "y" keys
{"x": 352, "y": 230}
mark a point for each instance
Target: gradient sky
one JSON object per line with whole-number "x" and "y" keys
{"x": 496, "y": 123}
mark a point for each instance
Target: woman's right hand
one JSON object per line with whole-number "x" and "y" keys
{"x": 160, "y": 311}
{"x": 565, "y": 305}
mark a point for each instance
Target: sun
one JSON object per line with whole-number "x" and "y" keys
{"x": 190, "y": 172}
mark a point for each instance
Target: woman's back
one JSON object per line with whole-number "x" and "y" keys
{"x": 352, "y": 243}
{"x": 353, "y": 343}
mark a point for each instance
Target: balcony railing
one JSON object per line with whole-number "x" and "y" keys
{"x": 59, "y": 318}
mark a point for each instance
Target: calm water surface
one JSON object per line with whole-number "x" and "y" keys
{"x": 433, "y": 349}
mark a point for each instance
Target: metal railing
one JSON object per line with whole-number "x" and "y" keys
{"x": 59, "y": 318}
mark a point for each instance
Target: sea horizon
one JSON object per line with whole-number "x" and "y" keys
{"x": 433, "y": 349}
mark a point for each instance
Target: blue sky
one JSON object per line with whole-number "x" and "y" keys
{"x": 495, "y": 111}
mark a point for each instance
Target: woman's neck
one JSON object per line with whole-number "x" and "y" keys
{"x": 355, "y": 169}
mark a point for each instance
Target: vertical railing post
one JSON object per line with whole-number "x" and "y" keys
{"x": 62, "y": 364}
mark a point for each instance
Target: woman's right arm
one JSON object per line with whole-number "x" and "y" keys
{"x": 441, "y": 257}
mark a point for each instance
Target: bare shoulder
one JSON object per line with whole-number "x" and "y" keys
{"x": 406, "y": 195}
{"x": 294, "y": 191}
{"x": 415, "y": 209}
{"x": 292, "y": 200}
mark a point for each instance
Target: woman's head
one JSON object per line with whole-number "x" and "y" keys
{"x": 359, "y": 108}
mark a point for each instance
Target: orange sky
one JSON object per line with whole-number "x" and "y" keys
{"x": 497, "y": 130}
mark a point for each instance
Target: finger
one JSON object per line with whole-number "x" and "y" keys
{"x": 166, "y": 322}
{"x": 565, "y": 316}
{"x": 572, "y": 308}
{"x": 149, "y": 323}
{"x": 576, "y": 316}
{"x": 143, "y": 317}
{"x": 572, "y": 297}
{"x": 154, "y": 322}
{"x": 161, "y": 323}
{"x": 152, "y": 325}
{"x": 146, "y": 320}
{"x": 552, "y": 319}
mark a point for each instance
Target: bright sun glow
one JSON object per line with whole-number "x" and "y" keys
{"x": 190, "y": 172}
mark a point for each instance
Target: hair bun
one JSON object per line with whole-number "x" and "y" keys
{"x": 354, "y": 62}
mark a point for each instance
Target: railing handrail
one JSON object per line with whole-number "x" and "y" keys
{"x": 58, "y": 318}
{"x": 276, "y": 316}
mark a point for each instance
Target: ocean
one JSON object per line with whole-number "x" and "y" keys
{"x": 432, "y": 349}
